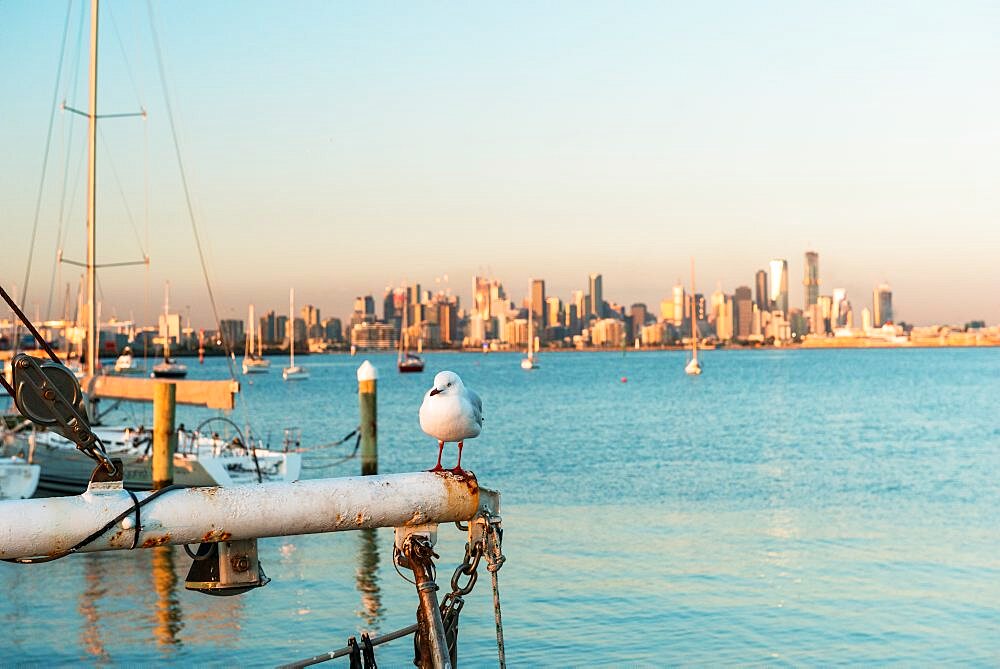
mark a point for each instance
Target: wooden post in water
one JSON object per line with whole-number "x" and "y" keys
{"x": 368, "y": 403}
{"x": 164, "y": 435}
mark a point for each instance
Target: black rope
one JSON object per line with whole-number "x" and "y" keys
{"x": 107, "y": 526}
{"x": 138, "y": 520}
{"x": 351, "y": 455}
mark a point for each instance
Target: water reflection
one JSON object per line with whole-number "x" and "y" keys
{"x": 367, "y": 579}
{"x": 94, "y": 588}
{"x": 168, "y": 617}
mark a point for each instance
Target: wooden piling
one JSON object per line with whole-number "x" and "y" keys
{"x": 368, "y": 404}
{"x": 164, "y": 435}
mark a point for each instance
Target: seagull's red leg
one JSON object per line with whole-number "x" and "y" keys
{"x": 438, "y": 466}
{"x": 458, "y": 467}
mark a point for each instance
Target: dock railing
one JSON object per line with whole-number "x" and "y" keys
{"x": 108, "y": 517}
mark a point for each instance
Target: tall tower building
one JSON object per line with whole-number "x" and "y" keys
{"x": 538, "y": 302}
{"x": 811, "y": 279}
{"x": 742, "y": 312}
{"x": 778, "y": 294}
{"x": 596, "y": 306}
{"x": 760, "y": 283}
{"x": 837, "y": 308}
{"x": 679, "y": 310}
{"x": 882, "y": 305}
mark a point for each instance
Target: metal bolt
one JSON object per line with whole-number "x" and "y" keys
{"x": 49, "y": 394}
{"x": 241, "y": 563}
{"x": 23, "y": 364}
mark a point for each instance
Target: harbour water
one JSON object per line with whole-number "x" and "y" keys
{"x": 787, "y": 507}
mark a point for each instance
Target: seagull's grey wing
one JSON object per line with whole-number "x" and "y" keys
{"x": 477, "y": 404}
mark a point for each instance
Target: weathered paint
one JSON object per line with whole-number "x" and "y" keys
{"x": 33, "y": 527}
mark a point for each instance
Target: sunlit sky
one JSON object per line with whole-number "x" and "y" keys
{"x": 339, "y": 147}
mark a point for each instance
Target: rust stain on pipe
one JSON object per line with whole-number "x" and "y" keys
{"x": 215, "y": 536}
{"x": 156, "y": 541}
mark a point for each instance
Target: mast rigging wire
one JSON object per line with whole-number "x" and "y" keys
{"x": 45, "y": 164}
{"x": 187, "y": 192}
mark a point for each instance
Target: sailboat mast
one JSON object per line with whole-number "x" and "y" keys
{"x": 92, "y": 329}
{"x": 291, "y": 327}
{"x": 166, "y": 321}
{"x": 531, "y": 311}
{"x": 694, "y": 315}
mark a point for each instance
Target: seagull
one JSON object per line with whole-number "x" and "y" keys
{"x": 451, "y": 412}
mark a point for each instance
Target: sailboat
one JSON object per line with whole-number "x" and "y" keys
{"x": 529, "y": 362}
{"x": 126, "y": 363}
{"x": 407, "y": 362}
{"x": 169, "y": 368}
{"x": 693, "y": 367}
{"x": 292, "y": 372}
{"x": 254, "y": 363}
{"x": 200, "y": 459}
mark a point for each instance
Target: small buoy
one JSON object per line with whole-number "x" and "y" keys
{"x": 624, "y": 379}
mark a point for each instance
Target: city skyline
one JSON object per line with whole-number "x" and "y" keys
{"x": 516, "y": 142}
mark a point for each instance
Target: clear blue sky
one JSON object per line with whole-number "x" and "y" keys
{"x": 342, "y": 146}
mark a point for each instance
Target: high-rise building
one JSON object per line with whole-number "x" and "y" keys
{"x": 447, "y": 320}
{"x": 333, "y": 329}
{"x": 724, "y": 318}
{"x": 553, "y": 312}
{"x": 280, "y": 329}
{"x": 811, "y": 279}
{"x": 596, "y": 306}
{"x": 837, "y": 308}
{"x": 882, "y": 305}
{"x": 778, "y": 294}
{"x": 700, "y": 307}
{"x": 679, "y": 307}
{"x": 637, "y": 319}
{"x": 268, "y": 328}
{"x": 760, "y": 283}
{"x": 231, "y": 331}
{"x": 538, "y": 303}
{"x": 742, "y": 312}
{"x": 825, "y": 310}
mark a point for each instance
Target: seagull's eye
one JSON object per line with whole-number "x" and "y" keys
{"x": 449, "y": 383}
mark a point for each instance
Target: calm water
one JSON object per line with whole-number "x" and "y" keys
{"x": 788, "y": 507}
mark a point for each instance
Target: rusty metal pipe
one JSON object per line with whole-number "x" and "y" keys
{"x": 434, "y": 650}
{"x": 44, "y": 526}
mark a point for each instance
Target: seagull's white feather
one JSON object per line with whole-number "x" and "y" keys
{"x": 450, "y": 411}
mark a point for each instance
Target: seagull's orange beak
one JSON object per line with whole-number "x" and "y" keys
{"x": 435, "y": 392}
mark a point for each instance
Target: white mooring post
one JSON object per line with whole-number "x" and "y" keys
{"x": 368, "y": 404}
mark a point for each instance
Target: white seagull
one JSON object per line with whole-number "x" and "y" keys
{"x": 451, "y": 412}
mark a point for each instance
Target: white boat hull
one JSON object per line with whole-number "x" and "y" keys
{"x": 18, "y": 479}
{"x": 295, "y": 373}
{"x": 198, "y": 462}
{"x": 256, "y": 367}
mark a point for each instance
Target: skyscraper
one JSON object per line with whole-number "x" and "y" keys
{"x": 778, "y": 295}
{"x": 760, "y": 282}
{"x": 742, "y": 312}
{"x": 538, "y": 303}
{"x": 882, "y": 305}
{"x": 596, "y": 306}
{"x": 811, "y": 278}
{"x": 679, "y": 310}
